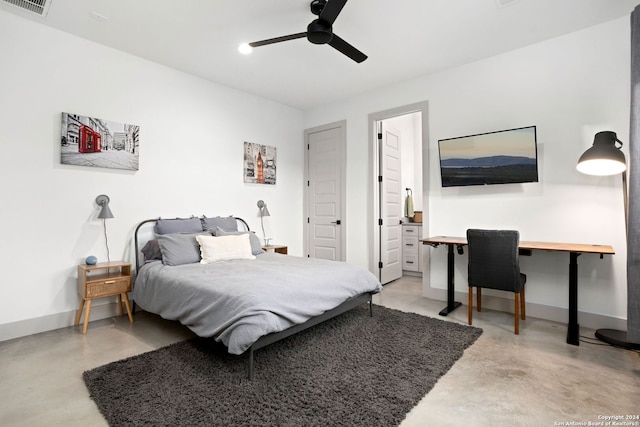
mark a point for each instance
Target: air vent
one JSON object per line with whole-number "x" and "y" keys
{"x": 39, "y": 7}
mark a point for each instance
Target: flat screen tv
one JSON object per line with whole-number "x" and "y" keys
{"x": 502, "y": 157}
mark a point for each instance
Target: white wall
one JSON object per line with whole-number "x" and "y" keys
{"x": 191, "y": 150}
{"x": 570, "y": 88}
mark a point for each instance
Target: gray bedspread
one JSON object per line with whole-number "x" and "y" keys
{"x": 239, "y": 301}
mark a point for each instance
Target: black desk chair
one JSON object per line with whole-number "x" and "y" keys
{"x": 494, "y": 264}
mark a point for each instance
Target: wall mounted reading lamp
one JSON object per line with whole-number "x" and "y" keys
{"x": 605, "y": 158}
{"x": 103, "y": 201}
{"x": 263, "y": 212}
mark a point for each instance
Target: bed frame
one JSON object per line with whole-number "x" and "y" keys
{"x": 145, "y": 232}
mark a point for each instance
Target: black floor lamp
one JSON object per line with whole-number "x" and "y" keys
{"x": 604, "y": 158}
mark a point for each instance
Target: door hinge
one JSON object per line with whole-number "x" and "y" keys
{"x": 307, "y": 220}
{"x": 380, "y": 264}
{"x": 308, "y": 147}
{"x": 380, "y": 221}
{"x": 379, "y": 178}
{"x": 379, "y": 136}
{"x": 308, "y": 183}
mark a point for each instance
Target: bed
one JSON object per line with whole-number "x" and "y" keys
{"x": 212, "y": 275}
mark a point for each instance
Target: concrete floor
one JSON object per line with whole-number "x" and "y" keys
{"x": 533, "y": 379}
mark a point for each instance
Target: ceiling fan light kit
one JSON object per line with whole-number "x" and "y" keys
{"x": 245, "y": 49}
{"x": 319, "y": 31}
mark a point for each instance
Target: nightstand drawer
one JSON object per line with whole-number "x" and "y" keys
{"x": 106, "y": 287}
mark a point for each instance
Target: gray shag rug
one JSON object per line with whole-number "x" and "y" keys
{"x": 353, "y": 370}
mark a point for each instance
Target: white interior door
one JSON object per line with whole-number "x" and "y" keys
{"x": 325, "y": 192}
{"x": 390, "y": 203}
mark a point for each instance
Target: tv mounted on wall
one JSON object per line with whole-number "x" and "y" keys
{"x": 501, "y": 157}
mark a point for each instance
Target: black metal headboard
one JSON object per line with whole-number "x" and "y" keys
{"x": 145, "y": 231}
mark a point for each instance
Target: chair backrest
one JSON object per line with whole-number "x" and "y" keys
{"x": 494, "y": 260}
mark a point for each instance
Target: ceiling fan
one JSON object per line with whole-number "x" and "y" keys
{"x": 320, "y": 30}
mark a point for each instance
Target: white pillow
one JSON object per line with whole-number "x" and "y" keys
{"x": 224, "y": 248}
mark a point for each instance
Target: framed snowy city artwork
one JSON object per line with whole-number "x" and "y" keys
{"x": 89, "y": 141}
{"x": 259, "y": 163}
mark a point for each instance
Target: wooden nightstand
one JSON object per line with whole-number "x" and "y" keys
{"x": 101, "y": 280}
{"x": 281, "y": 249}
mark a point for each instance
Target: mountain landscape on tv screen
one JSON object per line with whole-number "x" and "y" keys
{"x": 487, "y": 162}
{"x": 488, "y": 170}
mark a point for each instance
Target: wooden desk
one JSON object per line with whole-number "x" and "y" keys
{"x": 574, "y": 250}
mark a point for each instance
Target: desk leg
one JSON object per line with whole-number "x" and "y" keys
{"x": 451, "y": 304}
{"x": 573, "y": 331}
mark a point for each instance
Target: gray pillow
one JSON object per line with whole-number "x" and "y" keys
{"x": 256, "y": 247}
{"x": 179, "y": 248}
{"x": 151, "y": 251}
{"x": 227, "y": 223}
{"x": 178, "y": 225}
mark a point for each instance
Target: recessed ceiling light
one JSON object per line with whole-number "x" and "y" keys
{"x": 503, "y": 3}
{"x": 98, "y": 16}
{"x": 245, "y": 49}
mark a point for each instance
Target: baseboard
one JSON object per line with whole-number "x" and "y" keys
{"x": 561, "y": 315}
{"x": 50, "y": 322}
{"x": 412, "y": 273}
{"x": 554, "y": 314}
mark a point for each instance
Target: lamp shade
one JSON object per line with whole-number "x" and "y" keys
{"x": 263, "y": 208}
{"x": 604, "y": 157}
{"x": 103, "y": 201}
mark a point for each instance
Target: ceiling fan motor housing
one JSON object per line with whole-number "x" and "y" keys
{"x": 319, "y": 32}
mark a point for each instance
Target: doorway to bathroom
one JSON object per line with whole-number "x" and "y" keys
{"x": 399, "y": 151}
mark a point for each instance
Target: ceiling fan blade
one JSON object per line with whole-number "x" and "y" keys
{"x": 344, "y": 47}
{"x": 331, "y": 10}
{"x": 278, "y": 39}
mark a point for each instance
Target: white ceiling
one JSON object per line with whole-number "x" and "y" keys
{"x": 403, "y": 38}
